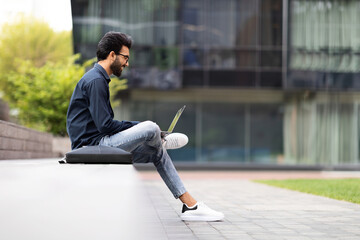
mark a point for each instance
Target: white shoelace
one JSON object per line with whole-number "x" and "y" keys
{"x": 172, "y": 142}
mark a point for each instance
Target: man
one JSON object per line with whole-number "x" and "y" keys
{"x": 90, "y": 122}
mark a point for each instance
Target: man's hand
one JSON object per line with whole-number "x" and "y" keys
{"x": 162, "y": 134}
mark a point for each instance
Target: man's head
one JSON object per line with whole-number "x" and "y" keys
{"x": 114, "y": 48}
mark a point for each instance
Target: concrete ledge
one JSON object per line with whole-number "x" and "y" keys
{"x": 18, "y": 142}
{"x": 45, "y": 200}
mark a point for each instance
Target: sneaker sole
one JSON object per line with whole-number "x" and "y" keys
{"x": 201, "y": 218}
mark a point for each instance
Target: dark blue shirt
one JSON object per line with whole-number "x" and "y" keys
{"x": 90, "y": 115}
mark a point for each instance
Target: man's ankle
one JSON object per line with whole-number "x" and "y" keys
{"x": 187, "y": 199}
{"x": 190, "y": 205}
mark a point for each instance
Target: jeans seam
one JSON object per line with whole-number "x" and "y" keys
{"x": 176, "y": 195}
{"x": 173, "y": 185}
{"x": 129, "y": 141}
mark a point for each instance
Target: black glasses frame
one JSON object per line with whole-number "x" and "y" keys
{"x": 125, "y": 56}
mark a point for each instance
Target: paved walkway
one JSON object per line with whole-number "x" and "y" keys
{"x": 211, "y": 175}
{"x": 255, "y": 211}
{"x": 41, "y": 199}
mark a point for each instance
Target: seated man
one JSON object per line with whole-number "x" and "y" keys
{"x": 90, "y": 122}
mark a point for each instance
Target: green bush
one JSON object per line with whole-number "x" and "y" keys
{"x": 41, "y": 95}
{"x": 28, "y": 38}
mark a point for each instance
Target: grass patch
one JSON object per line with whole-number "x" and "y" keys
{"x": 340, "y": 189}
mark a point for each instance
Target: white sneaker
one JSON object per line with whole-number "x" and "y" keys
{"x": 200, "y": 212}
{"x": 175, "y": 140}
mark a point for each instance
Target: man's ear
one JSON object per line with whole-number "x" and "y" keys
{"x": 112, "y": 55}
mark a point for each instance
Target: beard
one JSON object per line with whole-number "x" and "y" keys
{"x": 116, "y": 67}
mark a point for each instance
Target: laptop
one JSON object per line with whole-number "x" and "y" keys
{"x": 173, "y": 123}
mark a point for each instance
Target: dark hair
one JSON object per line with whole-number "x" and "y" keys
{"x": 112, "y": 41}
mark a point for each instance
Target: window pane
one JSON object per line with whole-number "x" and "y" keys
{"x": 246, "y": 59}
{"x": 141, "y": 57}
{"x": 86, "y": 27}
{"x": 220, "y": 23}
{"x": 246, "y": 23}
{"x": 266, "y": 131}
{"x": 193, "y": 22}
{"x": 271, "y": 79}
{"x": 221, "y": 59}
{"x": 141, "y": 111}
{"x": 271, "y": 59}
{"x": 341, "y": 81}
{"x": 231, "y": 23}
{"x": 165, "y": 57}
{"x": 193, "y": 78}
{"x": 324, "y": 35}
{"x": 154, "y": 78}
{"x": 193, "y": 57}
{"x": 166, "y": 23}
{"x": 220, "y": 28}
{"x": 232, "y": 78}
{"x": 271, "y": 22}
{"x": 149, "y": 22}
{"x": 223, "y": 137}
{"x": 160, "y": 57}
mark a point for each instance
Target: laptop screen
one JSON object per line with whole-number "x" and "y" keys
{"x": 175, "y": 120}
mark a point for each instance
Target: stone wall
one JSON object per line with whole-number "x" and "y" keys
{"x": 61, "y": 145}
{"x": 4, "y": 111}
{"x": 18, "y": 142}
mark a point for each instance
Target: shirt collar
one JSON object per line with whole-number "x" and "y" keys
{"x": 102, "y": 70}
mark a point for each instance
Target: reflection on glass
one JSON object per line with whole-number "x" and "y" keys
{"x": 322, "y": 130}
{"x": 165, "y": 57}
{"x": 193, "y": 22}
{"x": 246, "y": 59}
{"x": 193, "y": 78}
{"x": 232, "y": 78}
{"x": 86, "y": 21}
{"x": 246, "y": 23}
{"x": 322, "y": 35}
{"x": 141, "y": 111}
{"x": 219, "y": 23}
{"x": 154, "y": 78}
{"x": 230, "y": 59}
{"x": 193, "y": 57}
{"x": 221, "y": 59}
{"x": 271, "y": 79}
{"x": 271, "y": 59}
{"x": 149, "y": 22}
{"x": 230, "y": 23}
{"x": 271, "y": 22}
{"x": 266, "y": 133}
{"x": 223, "y": 132}
{"x": 141, "y": 57}
{"x": 160, "y": 57}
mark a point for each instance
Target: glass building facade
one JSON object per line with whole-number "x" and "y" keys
{"x": 264, "y": 81}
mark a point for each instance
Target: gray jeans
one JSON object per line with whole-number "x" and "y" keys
{"x": 144, "y": 142}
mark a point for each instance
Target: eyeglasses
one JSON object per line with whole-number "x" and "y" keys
{"x": 125, "y": 56}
